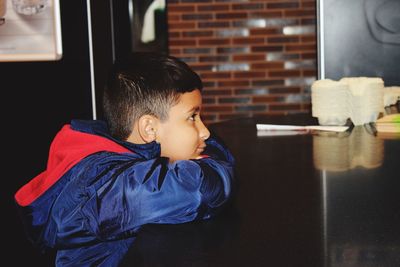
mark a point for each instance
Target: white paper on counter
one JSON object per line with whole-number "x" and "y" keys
{"x": 277, "y": 127}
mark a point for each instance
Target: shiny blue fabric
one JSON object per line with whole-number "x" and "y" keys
{"x": 108, "y": 196}
{"x": 103, "y": 254}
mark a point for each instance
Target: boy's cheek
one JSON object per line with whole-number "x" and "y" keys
{"x": 174, "y": 154}
{"x": 179, "y": 151}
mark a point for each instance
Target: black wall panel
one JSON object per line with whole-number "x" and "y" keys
{"x": 360, "y": 38}
{"x": 37, "y": 99}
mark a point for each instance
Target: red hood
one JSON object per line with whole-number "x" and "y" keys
{"x": 67, "y": 149}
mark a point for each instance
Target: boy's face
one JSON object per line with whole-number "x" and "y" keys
{"x": 182, "y": 136}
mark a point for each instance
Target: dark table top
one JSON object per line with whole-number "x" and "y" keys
{"x": 318, "y": 199}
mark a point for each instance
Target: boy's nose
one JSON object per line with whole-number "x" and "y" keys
{"x": 204, "y": 133}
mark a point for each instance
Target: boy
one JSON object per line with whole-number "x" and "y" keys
{"x": 152, "y": 162}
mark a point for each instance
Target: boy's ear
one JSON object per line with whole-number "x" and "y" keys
{"x": 147, "y": 128}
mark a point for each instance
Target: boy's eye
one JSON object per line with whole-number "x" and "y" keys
{"x": 193, "y": 117}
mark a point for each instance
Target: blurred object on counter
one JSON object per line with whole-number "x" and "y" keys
{"x": 359, "y": 99}
{"x": 330, "y": 102}
{"x": 391, "y": 96}
{"x": 366, "y": 101}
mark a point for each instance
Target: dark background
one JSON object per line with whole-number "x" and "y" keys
{"x": 38, "y": 98}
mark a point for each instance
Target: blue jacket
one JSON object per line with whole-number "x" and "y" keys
{"x": 97, "y": 189}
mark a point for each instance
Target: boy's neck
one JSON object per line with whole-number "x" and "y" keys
{"x": 135, "y": 137}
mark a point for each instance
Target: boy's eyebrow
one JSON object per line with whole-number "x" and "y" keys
{"x": 194, "y": 109}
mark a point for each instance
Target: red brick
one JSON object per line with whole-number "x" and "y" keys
{"x": 180, "y": 8}
{"x": 299, "y": 13}
{"x": 309, "y": 55}
{"x": 311, "y": 3}
{"x": 174, "y": 17}
{"x": 216, "y": 41}
{"x": 213, "y": 75}
{"x": 213, "y": 7}
{"x": 284, "y": 106}
{"x": 174, "y": 34}
{"x": 265, "y": 31}
{"x": 248, "y": 6}
{"x": 284, "y": 73}
{"x": 234, "y": 83}
{"x": 175, "y": 51}
{"x": 283, "y": 5}
{"x": 266, "y": 99}
{"x": 213, "y": 24}
{"x": 267, "y": 48}
{"x": 248, "y": 57}
{"x": 214, "y": 92}
{"x": 283, "y": 39}
{"x": 309, "y": 73}
{"x": 240, "y": 41}
{"x": 266, "y": 14}
{"x": 249, "y": 74}
{"x": 300, "y": 47}
{"x": 208, "y": 108}
{"x": 181, "y": 25}
{"x": 284, "y": 90}
{"x": 182, "y": 42}
{"x": 231, "y": 15}
{"x": 267, "y": 65}
{"x": 308, "y": 39}
{"x": 197, "y": 33}
{"x": 197, "y": 16}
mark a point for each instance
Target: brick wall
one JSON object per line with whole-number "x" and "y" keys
{"x": 254, "y": 57}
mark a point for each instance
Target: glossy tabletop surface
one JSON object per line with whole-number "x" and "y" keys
{"x": 316, "y": 199}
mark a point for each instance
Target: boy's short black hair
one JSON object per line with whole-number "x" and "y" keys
{"x": 144, "y": 83}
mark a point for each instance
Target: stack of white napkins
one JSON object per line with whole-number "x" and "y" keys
{"x": 391, "y": 94}
{"x": 357, "y": 98}
{"x": 330, "y": 102}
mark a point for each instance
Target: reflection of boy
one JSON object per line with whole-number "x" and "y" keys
{"x": 156, "y": 164}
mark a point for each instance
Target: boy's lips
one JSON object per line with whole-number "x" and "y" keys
{"x": 201, "y": 148}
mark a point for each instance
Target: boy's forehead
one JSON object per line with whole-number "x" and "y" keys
{"x": 190, "y": 100}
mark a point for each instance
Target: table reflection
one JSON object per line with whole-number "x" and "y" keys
{"x": 348, "y": 150}
{"x": 360, "y": 210}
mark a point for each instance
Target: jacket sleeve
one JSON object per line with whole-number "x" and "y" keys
{"x": 129, "y": 193}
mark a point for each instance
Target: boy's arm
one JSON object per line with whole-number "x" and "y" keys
{"x": 155, "y": 191}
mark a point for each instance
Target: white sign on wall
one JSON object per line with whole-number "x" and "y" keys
{"x": 30, "y": 30}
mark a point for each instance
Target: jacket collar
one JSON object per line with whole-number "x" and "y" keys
{"x": 99, "y": 127}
